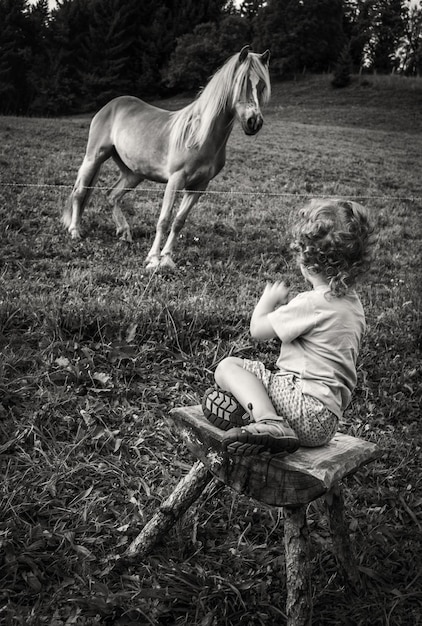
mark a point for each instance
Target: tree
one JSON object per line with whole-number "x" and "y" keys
{"x": 158, "y": 26}
{"x": 375, "y": 28}
{"x": 409, "y": 51}
{"x": 199, "y": 54}
{"x": 343, "y": 68}
{"x": 105, "y": 71}
{"x": 61, "y": 90}
{"x": 38, "y": 40}
{"x": 321, "y": 38}
{"x": 301, "y": 35}
{"x": 187, "y": 14}
{"x": 388, "y": 19}
{"x": 85, "y": 52}
{"x": 15, "y": 57}
{"x": 234, "y": 32}
{"x": 250, "y": 8}
{"x": 275, "y": 28}
{"x": 193, "y": 60}
{"x": 357, "y": 29}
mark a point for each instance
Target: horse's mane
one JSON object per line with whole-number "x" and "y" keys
{"x": 191, "y": 125}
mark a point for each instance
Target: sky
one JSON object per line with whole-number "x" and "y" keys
{"x": 51, "y": 3}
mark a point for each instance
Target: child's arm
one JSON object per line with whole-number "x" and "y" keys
{"x": 274, "y": 295}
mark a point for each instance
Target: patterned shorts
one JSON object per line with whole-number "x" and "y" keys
{"x": 312, "y": 422}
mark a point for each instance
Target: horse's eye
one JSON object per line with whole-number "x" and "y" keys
{"x": 260, "y": 89}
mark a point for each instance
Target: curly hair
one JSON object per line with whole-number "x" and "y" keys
{"x": 335, "y": 238}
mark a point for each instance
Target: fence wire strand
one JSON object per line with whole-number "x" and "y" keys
{"x": 220, "y": 192}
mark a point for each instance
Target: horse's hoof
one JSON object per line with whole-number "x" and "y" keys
{"x": 152, "y": 263}
{"x": 167, "y": 263}
{"x": 75, "y": 234}
{"x": 125, "y": 235}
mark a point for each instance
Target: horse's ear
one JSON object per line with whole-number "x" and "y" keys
{"x": 265, "y": 57}
{"x": 243, "y": 54}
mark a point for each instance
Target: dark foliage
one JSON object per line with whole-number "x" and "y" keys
{"x": 343, "y": 69}
{"x": 81, "y": 54}
{"x": 301, "y": 36}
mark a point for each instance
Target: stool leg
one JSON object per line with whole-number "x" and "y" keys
{"x": 183, "y": 496}
{"x": 340, "y": 536}
{"x": 299, "y": 600}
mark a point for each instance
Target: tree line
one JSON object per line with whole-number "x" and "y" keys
{"x": 84, "y": 52}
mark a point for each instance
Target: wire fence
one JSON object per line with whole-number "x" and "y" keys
{"x": 222, "y": 192}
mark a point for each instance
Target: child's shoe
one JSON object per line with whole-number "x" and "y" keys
{"x": 268, "y": 435}
{"x": 223, "y": 410}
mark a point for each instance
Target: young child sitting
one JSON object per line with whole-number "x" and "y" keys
{"x": 320, "y": 331}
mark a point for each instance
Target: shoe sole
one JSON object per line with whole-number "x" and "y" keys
{"x": 265, "y": 441}
{"x": 223, "y": 410}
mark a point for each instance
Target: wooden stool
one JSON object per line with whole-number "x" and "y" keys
{"x": 290, "y": 481}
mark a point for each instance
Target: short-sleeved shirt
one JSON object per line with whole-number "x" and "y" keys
{"x": 321, "y": 336}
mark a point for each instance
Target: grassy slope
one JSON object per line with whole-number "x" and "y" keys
{"x": 95, "y": 352}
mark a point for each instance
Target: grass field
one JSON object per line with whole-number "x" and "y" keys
{"x": 95, "y": 352}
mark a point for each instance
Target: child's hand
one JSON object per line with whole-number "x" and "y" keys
{"x": 275, "y": 294}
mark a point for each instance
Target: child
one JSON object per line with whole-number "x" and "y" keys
{"x": 320, "y": 332}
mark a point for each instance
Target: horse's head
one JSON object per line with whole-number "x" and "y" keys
{"x": 253, "y": 89}
{"x": 237, "y": 89}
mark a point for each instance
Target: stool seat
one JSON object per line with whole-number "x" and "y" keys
{"x": 276, "y": 480}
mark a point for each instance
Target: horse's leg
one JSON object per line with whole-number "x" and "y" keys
{"x": 126, "y": 181}
{"x": 82, "y": 190}
{"x": 175, "y": 183}
{"x": 190, "y": 198}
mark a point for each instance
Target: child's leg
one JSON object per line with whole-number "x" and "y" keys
{"x": 245, "y": 386}
{"x": 270, "y": 432}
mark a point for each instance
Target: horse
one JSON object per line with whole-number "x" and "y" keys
{"x": 184, "y": 149}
